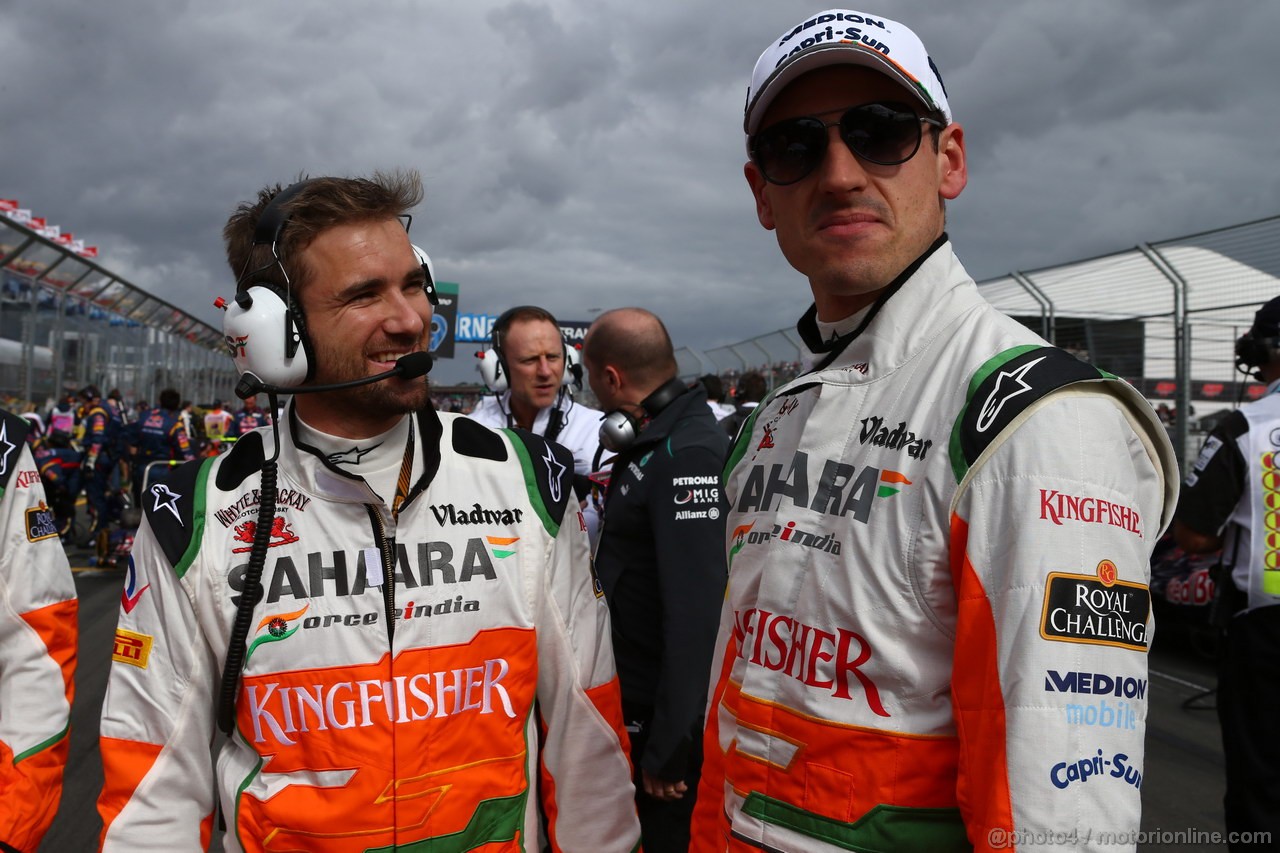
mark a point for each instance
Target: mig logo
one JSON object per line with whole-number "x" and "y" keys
{"x": 277, "y": 627}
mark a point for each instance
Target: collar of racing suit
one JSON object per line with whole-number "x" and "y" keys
{"x": 309, "y": 469}
{"x": 810, "y": 334}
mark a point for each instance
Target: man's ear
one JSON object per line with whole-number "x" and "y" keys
{"x": 953, "y": 170}
{"x": 764, "y": 211}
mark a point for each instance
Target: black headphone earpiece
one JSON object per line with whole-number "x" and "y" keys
{"x": 619, "y": 429}
{"x": 265, "y": 329}
{"x": 1253, "y": 352}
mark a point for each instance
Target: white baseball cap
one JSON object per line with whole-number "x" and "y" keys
{"x": 844, "y": 37}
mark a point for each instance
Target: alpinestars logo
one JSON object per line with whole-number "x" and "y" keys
{"x": 281, "y": 534}
{"x": 555, "y": 472}
{"x": 6, "y": 448}
{"x": 1009, "y": 384}
{"x": 166, "y": 499}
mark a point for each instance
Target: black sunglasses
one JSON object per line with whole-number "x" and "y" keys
{"x": 883, "y": 133}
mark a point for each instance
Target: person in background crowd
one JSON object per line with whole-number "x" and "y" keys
{"x": 62, "y": 421}
{"x": 452, "y": 627}
{"x": 158, "y": 436}
{"x": 115, "y": 402}
{"x": 714, "y": 387}
{"x": 249, "y": 418}
{"x": 530, "y": 360}
{"x": 59, "y": 469}
{"x": 661, "y": 558}
{"x": 750, "y": 390}
{"x": 193, "y": 425}
{"x": 102, "y": 434}
{"x": 38, "y": 618}
{"x": 217, "y": 423}
{"x": 913, "y": 581}
{"x": 1228, "y": 502}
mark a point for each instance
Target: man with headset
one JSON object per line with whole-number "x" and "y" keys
{"x": 37, "y": 647}
{"x": 941, "y": 532}
{"x": 397, "y": 603}
{"x": 1228, "y": 502}
{"x": 660, "y": 559}
{"x": 530, "y": 371}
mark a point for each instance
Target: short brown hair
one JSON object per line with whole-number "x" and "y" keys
{"x": 323, "y": 203}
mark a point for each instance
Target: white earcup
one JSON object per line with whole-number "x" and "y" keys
{"x": 255, "y": 337}
{"x": 495, "y": 378}
{"x": 572, "y": 368}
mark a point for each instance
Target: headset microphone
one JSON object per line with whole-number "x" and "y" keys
{"x": 409, "y": 366}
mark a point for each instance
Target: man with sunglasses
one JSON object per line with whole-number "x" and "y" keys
{"x": 935, "y": 632}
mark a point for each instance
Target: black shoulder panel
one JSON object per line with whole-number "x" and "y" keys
{"x": 243, "y": 460}
{"x": 478, "y": 441}
{"x": 13, "y": 434}
{"x": 170, "y": 508}
{"x": 552, "y": 466}
{"x": 1232, "y": 426}
{"x": 1004, "y": 387}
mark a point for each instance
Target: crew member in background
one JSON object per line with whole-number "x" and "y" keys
{"x": 714, "y": 387}
{"x": 661, "y": 558}
{"x": 37, "y": 647}
{"x": 102, "y": 439}
{"x": 529, "y": 372}
{"x": 439, "y": 599}
{"x": 249, "y": 418}
{"x": 115, "y": 403}
{"x": 750, "y": 390}
{"x": 217, "y": 423}
{"x": 193, "y": 425}
{"x": 62, "y": 421}
{"x": 1228, "y": 502}
{"x": 59, "y": 468}
{"x": 158, "y": 436}
{"x": 923, "y": 572}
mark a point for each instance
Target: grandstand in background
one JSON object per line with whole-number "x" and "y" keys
{"x": 1165, "y": 316}
{"x": 66, "y": 321}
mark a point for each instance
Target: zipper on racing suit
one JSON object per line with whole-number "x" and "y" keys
{"x": 387, "y": 550}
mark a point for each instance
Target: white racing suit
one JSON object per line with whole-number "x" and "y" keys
{"x": 579, "y": 433}
{"x": 37, "y": 647}
{"x": 936, "y": 627}
{"x": 348, "y": 740}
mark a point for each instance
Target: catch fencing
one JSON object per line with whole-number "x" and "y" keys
{"x": 1163, "y": 315}
{"x": 66, "y": 322}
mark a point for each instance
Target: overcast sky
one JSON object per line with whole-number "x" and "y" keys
{"x": 584, "y": 154}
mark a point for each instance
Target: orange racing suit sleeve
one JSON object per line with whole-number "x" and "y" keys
{"x": 157, "y": 718}
{"x": 585, "y": 755}
{"x": 1051, "y": 536}
{"x": 37, "y": 649}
